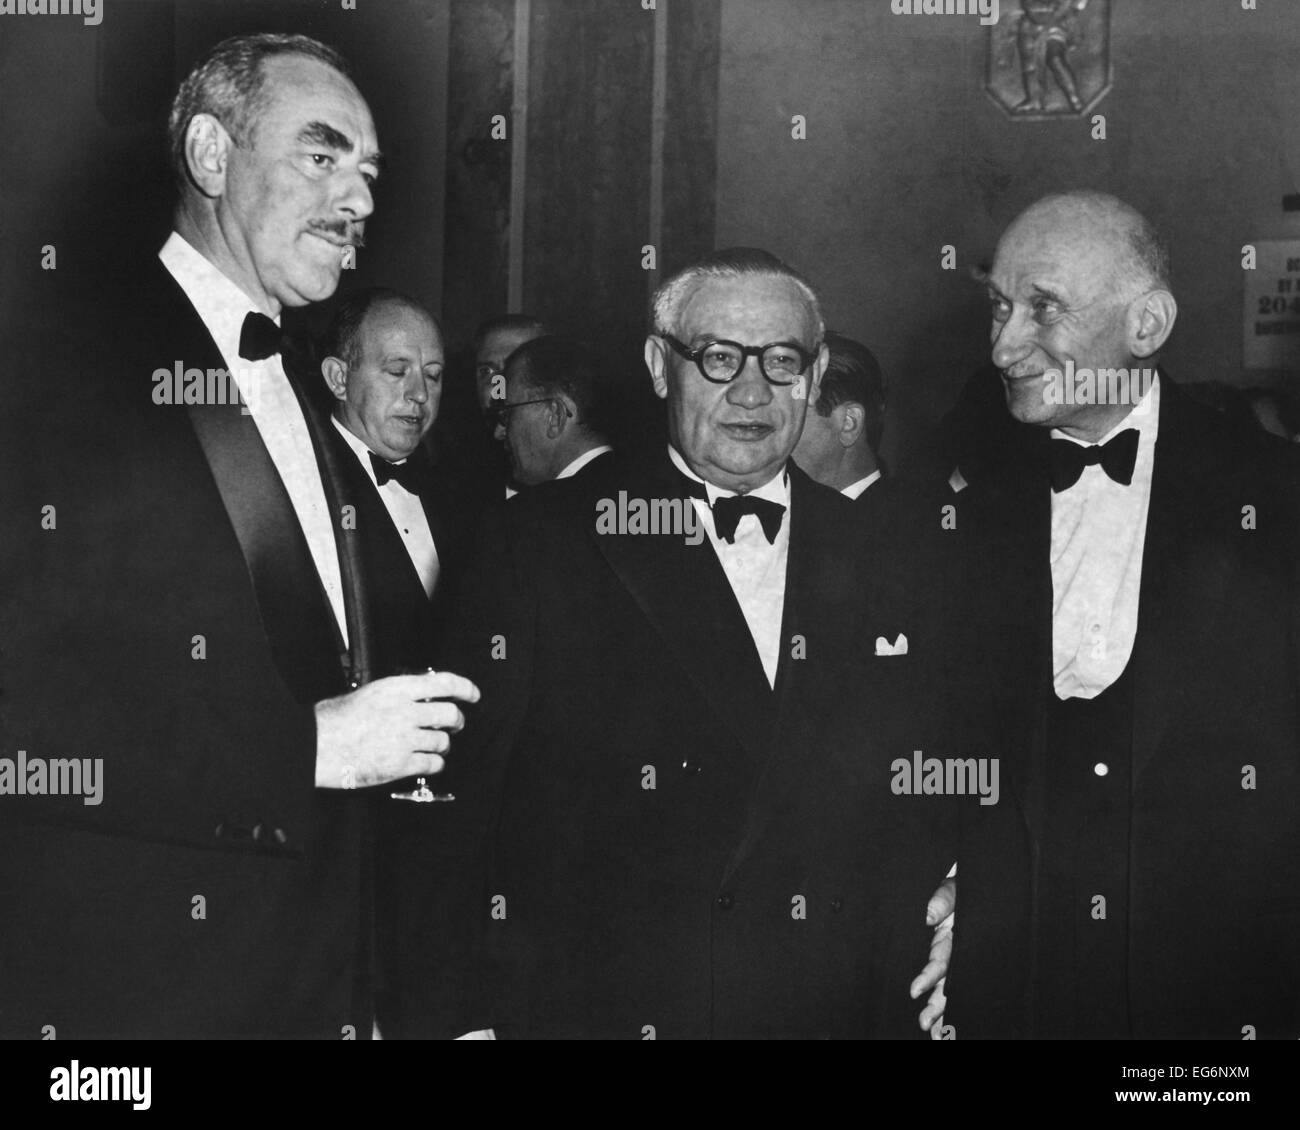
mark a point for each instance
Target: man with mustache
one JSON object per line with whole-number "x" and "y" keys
{"x": 199, "y": 618}
{"x": 1122, "y": 619}
{"x": 677, "y": 852}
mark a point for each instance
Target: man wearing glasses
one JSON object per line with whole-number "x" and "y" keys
{"x": 493, "y": 343}
{"x": 552, "y": 420}
{"x": 676, "y": 852}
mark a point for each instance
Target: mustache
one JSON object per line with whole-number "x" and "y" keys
{"x": 350, "y": 231}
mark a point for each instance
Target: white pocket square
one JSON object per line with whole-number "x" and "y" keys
{"x": 898, "y": 647}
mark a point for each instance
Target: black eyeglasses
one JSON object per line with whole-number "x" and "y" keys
{"x": 721, "y": 361}
{"x": 498, "y": 412}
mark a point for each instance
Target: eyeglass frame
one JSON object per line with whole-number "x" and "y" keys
{"x": 499, "y": 411}
{"x": 746, "y": 352}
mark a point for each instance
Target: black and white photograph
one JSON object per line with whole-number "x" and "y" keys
{"x": 650, "y": 520}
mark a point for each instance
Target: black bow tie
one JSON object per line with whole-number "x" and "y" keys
{"x": 1117, "y": 458}
{"x": 409, "y": 474}
{"x": 729, "y": 509}
{"x": 259, "y": 337}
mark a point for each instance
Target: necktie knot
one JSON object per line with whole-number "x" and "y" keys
{"x": 1117, "y": 458}
{"x": 259, "y": 337}
{"x": 409, "y": 474}
{"x": 729, "y": 509}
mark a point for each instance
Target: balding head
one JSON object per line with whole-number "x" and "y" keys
{"x": 1080, "y": 284}
{"x": 1134, "y": 250}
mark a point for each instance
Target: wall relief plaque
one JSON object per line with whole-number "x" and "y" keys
{"x": 1049, "y": 58}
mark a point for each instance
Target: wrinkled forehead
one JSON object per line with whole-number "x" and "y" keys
{"x": 1057, "y": 253}
{"x": 750, "y": 309}
{"x": 299, "y": 89}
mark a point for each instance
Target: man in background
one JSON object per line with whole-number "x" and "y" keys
{"x": 553, "y": 420}
{"x": 384, "y": 368}
{"x": 841, "y": 436}
{"x": 495, "y": 340}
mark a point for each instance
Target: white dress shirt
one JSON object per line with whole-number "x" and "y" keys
{"x": 855, "y": 490}
{"x": 270, "y": 400}
{"x": 754, "y": 568}
{"x": 1098, "y": 535}
{"x": 406, "y": 511}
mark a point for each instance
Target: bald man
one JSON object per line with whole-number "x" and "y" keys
{"x": 1121, "y": 598}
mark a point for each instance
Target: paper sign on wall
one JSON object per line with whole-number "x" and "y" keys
{"x": 1272, "y": 312}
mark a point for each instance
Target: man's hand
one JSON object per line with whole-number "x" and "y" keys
{"x": 389, "y": 729}
{"x": 940, "y": 912}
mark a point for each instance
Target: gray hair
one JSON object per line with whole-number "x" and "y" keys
{"x": 731, "y": 263}
{"x": 229, "y": 83}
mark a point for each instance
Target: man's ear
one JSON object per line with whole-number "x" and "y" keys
{"x": 656, "y": 360}
{"x": 818, "y": 371}
{"x": 559, "y": 415}
{"x": 1151, "y": 321}
{"x": 207, "y": 147}
{"x": 336, "y": 377}
{"x": 853, "y": 418}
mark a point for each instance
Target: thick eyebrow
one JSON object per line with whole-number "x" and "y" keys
{"x": 322, "y": 133}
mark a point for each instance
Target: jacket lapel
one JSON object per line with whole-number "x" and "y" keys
{"x": 824, "y": 610}
{"x": 1007, "y": 515}
{"x": 1183, "y": 571}
{"x": 291, "y": 601}
{"x": 684, "y": 592}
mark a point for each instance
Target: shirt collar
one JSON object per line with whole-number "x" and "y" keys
{"x": 776, "y": 489}
{"x": 582, "y": 460}
{"x": 218, "y": 300}
{"x": 363, "y": 452}
{"x": 856, "y": 490}
{"x": 1144, "y": 417}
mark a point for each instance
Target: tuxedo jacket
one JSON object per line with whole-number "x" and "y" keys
{"x": 173, "y": 625}
{"x": 418, "y": 848}
{"x": 677, "y": 848}
{"x": 1211, "y": 866}
{"x": 404, "y": 620}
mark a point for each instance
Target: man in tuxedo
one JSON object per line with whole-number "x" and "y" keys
{"x": 677, "y": 852}
{"x": 1121, "y": 601}
{"x": 841, "y": 436}
{"x": 553, "y": 418}
{"x": 193, "y": 610}
{"x": 384, "y": 368}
